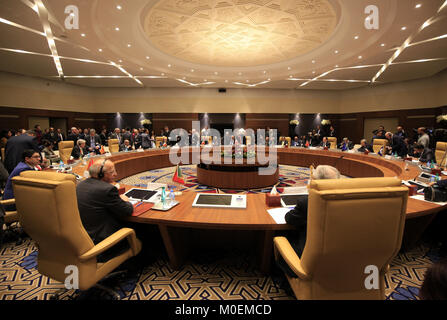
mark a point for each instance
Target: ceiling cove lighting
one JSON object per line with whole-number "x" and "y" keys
{"x": 43, "y": 16}
{"x": 407, "y": 43}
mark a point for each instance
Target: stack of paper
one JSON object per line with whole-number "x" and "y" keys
{"x": 279, "y": 214}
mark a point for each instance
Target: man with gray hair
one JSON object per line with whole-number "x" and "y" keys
{"x": 101, "y": 207}
{"x": 298, "y": 216}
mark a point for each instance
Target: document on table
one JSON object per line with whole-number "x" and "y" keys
{"x": 279, "y": 214}
{"x": 421, "y": 197}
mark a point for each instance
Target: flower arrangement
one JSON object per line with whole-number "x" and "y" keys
{"x": 441, "y": 118}
{"x": 145, "y": 122}
{"x": 294, "y": 122}
{"x": 239, "y": 153}
{"x": 326, "y": 122}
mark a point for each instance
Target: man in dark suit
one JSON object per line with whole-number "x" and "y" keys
{"x": 397, "y": 145}
{"x": 59, "y": 137}
{"x": 365, "y": 146}
{"x": 93, "y": 142}
{"x": 298, "y": 217}
{"x": 101, "y": 207}
{"x": 74, "y": 135}
{"x": 424, "y": 154}
{"x": 15, "y": 147}
{"x": 117, "y": 135}
{"x": 324, "y": 143}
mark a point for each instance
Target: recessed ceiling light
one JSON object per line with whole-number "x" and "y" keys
{"x": 226, "y": 81}
{"x": 336, "y": 51}
{"x": 141, "y": 69}
{"x": 382, "y": 45}
{"x": 120, "y": 61}
{"x": 169, "y": 65}
{"x": 403, "y": 28}
{"x": 162, "y": 74}
{"x": 313, "y": 72}
{"x": 288, "y": 68}
{"x": 216, "y": 73}
{"x": 313, "y": 61}
{"x": 360, "y": 57}
{"x": 290, "y": 76}
{"x": 117, "y": 29}
{"x": 268, "y": 79}
{"x": 100, "y": 50}
{"x": 147, "y": 57}
{"x": 119, "y": 7}
{"x": 246, "y": 80}
{"x": 184, "y": 78}
{"x": 129, "y": 45}
{"x": 240, "y": 73}
{"x": 192, "y": 70}
{"x": 265, "y": 71}
{"x": 82, "y": 34}
{"x": 356, "y": 37}
{"x": 336, "y": 65}
{"x": 418, "y": 6}
{"x": 205, "y": 80}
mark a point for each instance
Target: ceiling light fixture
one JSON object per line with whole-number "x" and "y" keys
{"x": 356, "y": 37}
{"x": 129, "y": 45}
{"x": 117, "y": 29}
{"x": 82, "y": 34}
{"x": 119, "y": 7}
{"x": 147, "y": 57}
{"x": 418, "y": 6}
{"x": 403, "y": 28}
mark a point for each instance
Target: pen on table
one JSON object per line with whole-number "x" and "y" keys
{"x": 139, "y": 204}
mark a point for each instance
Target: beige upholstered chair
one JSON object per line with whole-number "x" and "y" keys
{"x": 10, "y": 216}
{"x": 48, "y": 212}
{"x": 378, "y": 144}
{"x": 114, "y": 145}
{"x": 333, "y": 142}
{"x": 440, "y": 153}
{"x": 65, "y": 149}
{"x": 352, "y": 224}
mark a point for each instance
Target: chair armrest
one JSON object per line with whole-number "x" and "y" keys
{"x": 283, "y": 247}
{"x": 110, "y": 242}
{"x": 8, "y": 202}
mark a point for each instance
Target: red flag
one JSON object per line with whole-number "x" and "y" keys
{"x": 307, "y": 143}
{"x": 178, "y": 176}
{"x": 89, "y": 164}
{"x": 102, "y": 151}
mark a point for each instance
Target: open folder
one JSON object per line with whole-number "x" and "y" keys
{"x": 141, "y": 207}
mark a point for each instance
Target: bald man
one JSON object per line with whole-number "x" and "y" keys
{"x": 101, "y": 207}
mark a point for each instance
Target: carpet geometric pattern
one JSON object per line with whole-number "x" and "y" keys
{"x": 229, "y": 275}
{"x": 289, "y": 176}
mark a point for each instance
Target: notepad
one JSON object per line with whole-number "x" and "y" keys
{"x": 279, "y": 214}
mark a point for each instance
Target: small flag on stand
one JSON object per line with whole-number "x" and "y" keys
{"x": 307, "y": 143}
{"x": 380, "y": 153}
{"x": 89, "y": 164}
{"x": 178, "y": 176}
{"x": 102, "y": 151}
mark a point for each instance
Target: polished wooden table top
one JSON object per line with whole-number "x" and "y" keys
{"x": 256, "y": 215}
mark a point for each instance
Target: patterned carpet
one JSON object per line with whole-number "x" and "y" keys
{"x": 229, "y": 275}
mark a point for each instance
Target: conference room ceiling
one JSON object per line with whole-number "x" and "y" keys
{"x": 281, "y": 44}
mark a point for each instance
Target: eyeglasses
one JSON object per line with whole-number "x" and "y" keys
{"x": 36, "y": 157}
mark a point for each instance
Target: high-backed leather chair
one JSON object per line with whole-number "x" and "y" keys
{"x": 351, "y": 224}
{"x": 378, "y": 144}
{"x": 333, "y": 142}
{"x": 65, "y": 149}
{"x": 440, "y": 153}
{"x": 114, "y": 145}
{"x": 48, "y": 212}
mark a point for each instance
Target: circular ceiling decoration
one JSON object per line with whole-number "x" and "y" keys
{"x": 239, "y": 32}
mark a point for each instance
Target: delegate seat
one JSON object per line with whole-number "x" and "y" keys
{"x": 48, "y": 212}
{"x": 353, "y": 224}
{"x": 378, "y": 144}
{"x": 65, "y": 149}
{"x": 440, "y": 153}
{"x": 114, "y": 145}
{"x": 333, "y": 142}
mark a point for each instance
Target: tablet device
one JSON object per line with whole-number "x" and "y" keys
{"x": 290, "y": 200}
{"x": 141, "y": 194}
{"x": 235, "y": 201}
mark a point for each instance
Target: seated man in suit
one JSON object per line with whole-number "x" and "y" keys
{"x": 296, "y": 142}
{"x": 126, "y": 146}
{"x": 365, "y": 146}
{"x": 346, "y": 145}
{"x": 298, "y": 217}
{"x": 424, "y": 154}
{"x": 79, "y": 151}
{"x": 101, "y": 207}
{"x": 325, "y": 143}
{"x": 30, "y": 161}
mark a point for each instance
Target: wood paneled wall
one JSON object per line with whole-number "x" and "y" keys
{"x": 346, "y": 125}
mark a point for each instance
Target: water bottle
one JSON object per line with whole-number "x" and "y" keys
{"x": 61, "y": 166}
{"x": 163, "y": 197}
{"x": 171, "y": 197}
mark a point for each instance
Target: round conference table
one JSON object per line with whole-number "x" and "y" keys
{"x": 175, "y": 223}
